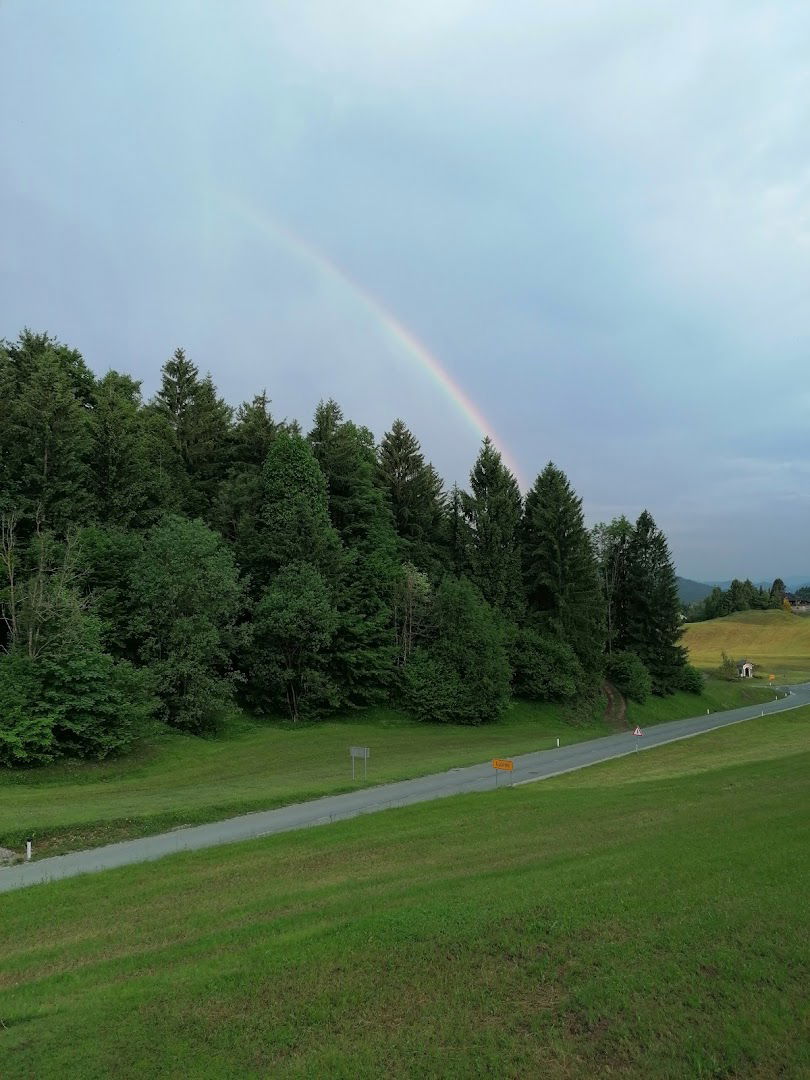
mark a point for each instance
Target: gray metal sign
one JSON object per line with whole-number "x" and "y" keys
{"x": 360, "y": 752}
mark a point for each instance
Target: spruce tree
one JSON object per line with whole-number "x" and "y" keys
{"x": 610, "y": 543}
{"x": 493, "y": 511}
{"x": 199, "y": 425}
{"x": 777, "y": 594}
{"x": 237, "y": 513}
{"x": 345, "y": 454}
{"x": 295, "y": 525}
{"x": 416, "y": 497}
{"x": 363, "y": 647}
{"x": 651, "y": 623}
{"x": 125, "y": 482}
{"x": 457, "y": 532}
{"x": 559, "y": 566}
{"x": 44, "y": 437}
{"x": 297, "y": 550}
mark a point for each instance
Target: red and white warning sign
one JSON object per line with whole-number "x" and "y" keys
{"x": 638, "y": 731}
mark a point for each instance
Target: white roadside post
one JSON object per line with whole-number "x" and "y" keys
{"x": 28, "y": 844}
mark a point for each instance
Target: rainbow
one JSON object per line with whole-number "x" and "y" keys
{"x": 400, "y": 335}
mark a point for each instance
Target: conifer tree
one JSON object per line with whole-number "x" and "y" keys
{"x": 237, "y": 513}
{"x": 610, "y": 541}
{"x": 777, "y": 593}
{"x": 125, "y": 484}
{"x": 560, "y": 571}
{"x": 298, "y": 575}
{"x": 458, "y": 533}
{"x": 345, "y": 454}
{"x": 199, "y": 425}
{"x": 295, "y": 524}
{"x": 493, "y": 512}
{"x": 416, "y": 497}
{"x": 363, "y": 645}
{"x": 651, "y": 623}
{"x": 44, "y": 437}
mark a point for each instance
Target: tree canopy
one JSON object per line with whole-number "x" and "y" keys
{"x": 167, "y": 560}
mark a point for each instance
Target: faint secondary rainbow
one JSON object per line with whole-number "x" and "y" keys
{"x": 386, "y": 320}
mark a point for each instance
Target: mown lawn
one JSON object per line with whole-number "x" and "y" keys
{"x": 176, "y": 780}
{"x": 643, "y": 918}
{"x": 777, "y": 642}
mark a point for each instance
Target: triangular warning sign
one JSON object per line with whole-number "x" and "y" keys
{"x": 638, "y": 731}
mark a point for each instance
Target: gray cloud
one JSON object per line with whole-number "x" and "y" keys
{"x": 597, "y": 216}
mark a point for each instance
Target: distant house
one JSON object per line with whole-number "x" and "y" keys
{"x": 745, "y": 669}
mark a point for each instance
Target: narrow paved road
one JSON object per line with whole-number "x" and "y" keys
{"x": 528, "y": 768}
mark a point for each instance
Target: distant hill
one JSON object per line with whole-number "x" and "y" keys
{"x": 690, "y": 592}
{"x": 777, "y": 642}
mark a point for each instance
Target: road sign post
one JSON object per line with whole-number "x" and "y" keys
{"x": 637, "y": 734}
{"x": 502, "y": 765}
{"x": 360, "y": 752}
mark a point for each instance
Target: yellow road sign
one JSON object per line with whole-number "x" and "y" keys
{"x": 503, "y": 763}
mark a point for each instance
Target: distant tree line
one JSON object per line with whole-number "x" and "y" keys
{"x": 740, "y": 596}
{"x": 162, "y": 560}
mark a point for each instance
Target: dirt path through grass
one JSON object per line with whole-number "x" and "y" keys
{"x": 615, "y": 709}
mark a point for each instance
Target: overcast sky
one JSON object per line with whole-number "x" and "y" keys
{"x": 595, "y": 216}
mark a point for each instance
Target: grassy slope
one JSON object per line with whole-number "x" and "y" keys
{"x": 646, "y": 917}
{"x": 717, "y": 696}
{"x": 181, "y": 780}
{"x": 776, "y": 641}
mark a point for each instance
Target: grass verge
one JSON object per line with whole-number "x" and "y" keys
{"x": 644, "y": 917}
{"x": 178, "y": 780}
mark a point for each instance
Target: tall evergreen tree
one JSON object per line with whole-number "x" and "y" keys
{"x": 126, "y": 485}
{"x": 199, "y": 423}
{"x": 651, "y": 614}
{"x": 777, "y": 593}
{"x": 610, "y": 542}
{"x": 345, "y": 454}
{"x": 296, "y": 546}
{"x": 458, "y": 533}
{"x": 560, "y": 569}
{"x": 237, "y": 513}
{"x": 363, "y": 644}
{"x": 44, "y": 437}
{"x": 493, "y": 513}
{"x": 295, "y": 523}
{"x": 416, "y": 496}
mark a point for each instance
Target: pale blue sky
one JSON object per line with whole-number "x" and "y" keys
{"x": 597, "y": 216}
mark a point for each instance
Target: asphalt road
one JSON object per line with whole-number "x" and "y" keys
{"x": 528, "y": 768}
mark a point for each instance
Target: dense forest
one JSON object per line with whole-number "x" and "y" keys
{"x": 165, "y": 560}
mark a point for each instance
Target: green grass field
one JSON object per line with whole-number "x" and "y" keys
{"x": 776, "y": 641}
{"x": 177, "y": 779}
{"x": 643, "y": 918}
